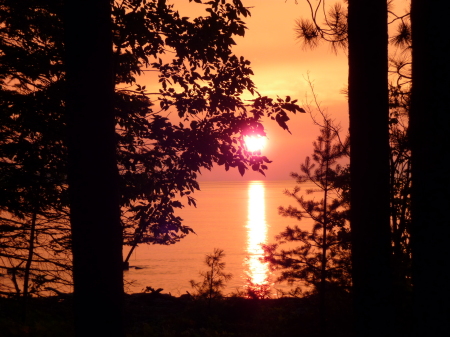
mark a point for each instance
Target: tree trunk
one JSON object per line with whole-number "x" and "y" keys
{"x": 26, "y": 277}
{"x": 92, "y": 170}
{"x": 369, "y": 166}
{"x": 429, "y": 134}
{"x": 323, "y": 272}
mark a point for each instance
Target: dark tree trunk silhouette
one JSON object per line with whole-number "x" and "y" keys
{"x": 429, "y": 134}
{"x": 323, "y": 271}
{"x": 26, "y": 278}
{"x": 369, "y": 162}
{"x": 92, "y": 170}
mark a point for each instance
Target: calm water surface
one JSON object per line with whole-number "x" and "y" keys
{"x": 234, "y": 216}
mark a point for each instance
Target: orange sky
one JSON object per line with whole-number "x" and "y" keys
{"x": 280, "y": 65}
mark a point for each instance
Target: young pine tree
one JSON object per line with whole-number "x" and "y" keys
{"x": 322, "y": 258}
{"x": 214, "y": 279}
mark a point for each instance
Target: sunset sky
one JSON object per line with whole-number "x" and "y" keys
{"x": 281, "y": 64}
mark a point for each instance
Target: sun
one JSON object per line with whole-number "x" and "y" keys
{"x": 255, "y": 143}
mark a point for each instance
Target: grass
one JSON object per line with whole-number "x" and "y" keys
{"x": 165, "y": 315}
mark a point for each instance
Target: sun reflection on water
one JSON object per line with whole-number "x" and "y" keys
{"x": 257, "y": 271}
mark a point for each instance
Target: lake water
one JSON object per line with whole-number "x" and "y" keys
{"x": 234, "y": 216}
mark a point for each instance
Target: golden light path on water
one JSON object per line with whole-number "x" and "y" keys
{"x": 257, "y": 271}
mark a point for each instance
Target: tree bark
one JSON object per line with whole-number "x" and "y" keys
{"x": 369, "y": 166}
{"x": 92, "y": 169}
{"x": 429, "y": 134}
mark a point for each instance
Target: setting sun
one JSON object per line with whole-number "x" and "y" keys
{"x": 255, "y": 143}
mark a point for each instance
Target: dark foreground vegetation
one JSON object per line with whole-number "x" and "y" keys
{"x": 157, "y": 314}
